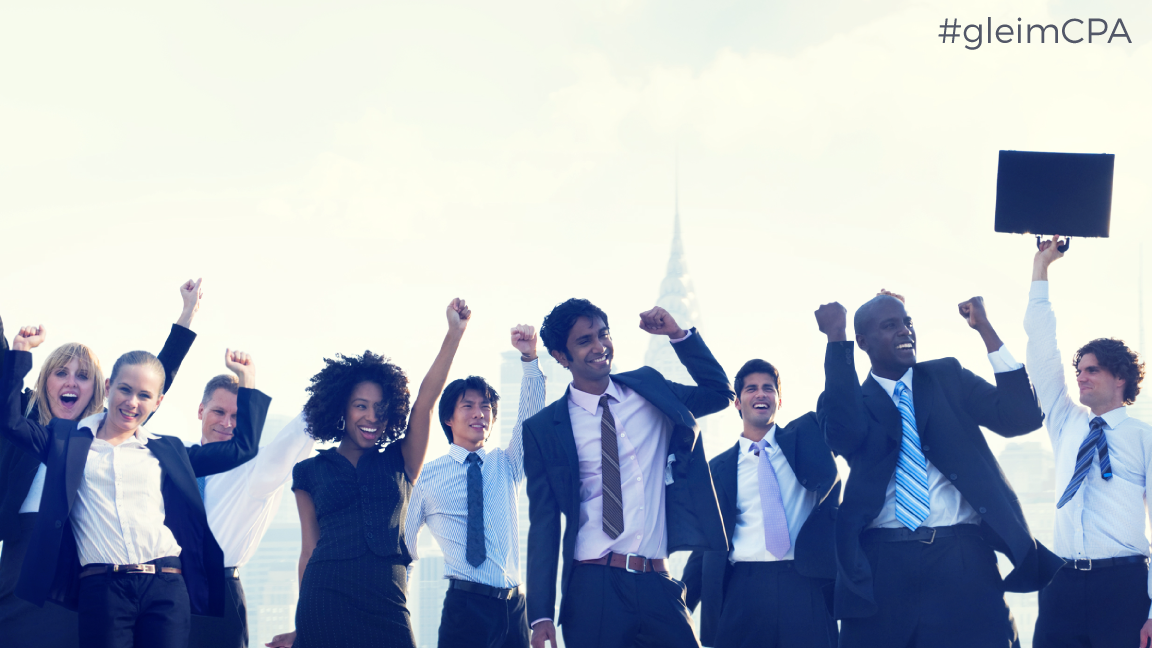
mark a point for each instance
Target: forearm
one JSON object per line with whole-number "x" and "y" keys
{"x": 176, "y": 346}
{"x": 415, "y": 443}
{"x": 712, "y": 392}
{"x": 1045, "y": 365}
{"x": 992, "y": 341}
{"x": 841, "y": 406}
{"x": 532, "y": 390}
{"x": 213, "y": 458}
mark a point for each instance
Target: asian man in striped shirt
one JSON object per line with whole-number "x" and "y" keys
{"x": 469, "y": 500}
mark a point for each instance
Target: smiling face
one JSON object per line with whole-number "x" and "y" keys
{"x": 889, "y": 339}
{"x": 218, "y": 417}
{"x": 471, "y": 420}
{"x": 758, "y": 401}
{"x": 133, "y": 394}
{"x": 69, "y": 389}
{"x": 590, "y": 355}
{"x": 362, "y": 426}
{"x": 1100, "y": 389}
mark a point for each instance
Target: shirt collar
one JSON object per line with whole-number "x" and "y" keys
{"x": 1114, "y": 417}
{"x": 459, "y": 454}
{"x": 890, "y": 385}
{"x": 591, "y": 402}
{"x": 92, "y": 424}
{"x": 746, "y": 443}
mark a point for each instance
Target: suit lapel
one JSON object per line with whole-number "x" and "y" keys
{"x": 170, "y": 462}
{"x": 725, "y": 477}
{"x": 880, "y": 404}
{"x": 74, "y": 462}
{"x": 923, "y": 399}
{"x": 562, "y": 423}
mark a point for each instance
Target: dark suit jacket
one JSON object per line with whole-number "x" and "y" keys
{"x": 18, "y": 468}
{"x": 52, "y": 566}
{"x": 802, "y": 443}
{"x": 552, "y": 469}
{"x": 863, "y": 425}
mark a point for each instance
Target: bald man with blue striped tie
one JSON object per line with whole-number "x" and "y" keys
{"x": 469, "y": 500}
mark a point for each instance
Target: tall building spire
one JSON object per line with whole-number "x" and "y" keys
{"x": 678, "y": 297}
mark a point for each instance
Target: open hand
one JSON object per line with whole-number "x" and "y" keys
{"x": 242, "y": 365}
{"x": 833, "y": 321}
{"x": 542, "y": 632}
{"x": 458, "y": 315}
{"x": 524, "y": 340}
{"x": 282, "y": 640}
{"x": 28, "y": 338}
{"x": 1049, "y": 251}
{"x": 660, "y": 322}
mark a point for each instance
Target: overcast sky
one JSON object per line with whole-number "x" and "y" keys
{"x": 338, "y": 171}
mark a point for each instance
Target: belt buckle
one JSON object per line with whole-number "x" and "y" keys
{"x": 1087, "y": 561}
{"x": 628, "y": 563}
{"x": 138, "y": 569}
{"x": 929, "y": 540}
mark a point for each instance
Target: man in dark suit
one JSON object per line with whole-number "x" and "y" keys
{"x": 621, "y": 458}
{"x": 778, "y": 490}
{"x": 925, "y": 502}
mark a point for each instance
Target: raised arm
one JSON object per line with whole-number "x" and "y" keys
{"x": 415, "y": 443}
{"x": 531, "y": 393}
{"x": 711, "y": 393}
{"x": 275, "y": 460}
{"x": 1010, "y": 408}
{"x": 180, "y": 338}
{"x": 1045, "y": 363}
{"x": 251, "y": 410}
{"x": 840, "y": 408}
{"x": 28, "y": 434}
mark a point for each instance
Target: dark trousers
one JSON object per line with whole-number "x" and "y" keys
{"x": 228, "y": 631}
{"x": 1100, "y": 608}
{"x": 947, "y": 594}
{"x": 769, "y": 605}
{"x": 476, "y": 621}
{"x": 22, "y": 624}
{"x": 608, "y": 607}
{"x": 141, "y": 610}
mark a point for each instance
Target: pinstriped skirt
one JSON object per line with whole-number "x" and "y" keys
{"x": 353, "y": 603}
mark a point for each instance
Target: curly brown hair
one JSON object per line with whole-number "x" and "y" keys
{"x": 1119, "y": 360}
{"x": 330, "y": 390}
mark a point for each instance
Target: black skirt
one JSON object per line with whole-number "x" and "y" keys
{"x": 352, "y": 603}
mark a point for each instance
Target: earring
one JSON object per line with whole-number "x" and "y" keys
{"x": 340, "y": 426}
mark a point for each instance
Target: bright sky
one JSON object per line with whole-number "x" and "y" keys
{"x": 338, "y": 171}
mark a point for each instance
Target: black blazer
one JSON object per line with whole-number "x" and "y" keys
{"x": 52, "y": 566}
{"x": 553, "y": 473}
{"x": 863, "y": 425}
{"x": 802, "y": 443}
{"x": 18, "y": 468}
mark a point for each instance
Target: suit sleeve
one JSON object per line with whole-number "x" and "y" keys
{"x": 212, "y": 458}
{"x": 543, "y": 532}
{"x": 711, "y": 393}
{"x": 693, "y": 579}
{"x": 1008, "y": 409}
{"x": 29, "y": 435}
{"x": 175, "y": 349}
{"x": 840, "y": 409}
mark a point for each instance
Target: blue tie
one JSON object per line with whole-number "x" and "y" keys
{"x": 201, "y": 482}
{"x": 911, "y": 469}
{"x": 475, "y": 551}
{"x": 1094, "y": 441}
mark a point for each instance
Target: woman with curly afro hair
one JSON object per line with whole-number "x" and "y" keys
{"x": 353, "y": 498}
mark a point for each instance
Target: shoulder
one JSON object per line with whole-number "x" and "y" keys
{"x": 543, "y": 419}
{"x": 643, "y": 373}
{"x": 305, "y": 468}
{"x": 724, "y": 457}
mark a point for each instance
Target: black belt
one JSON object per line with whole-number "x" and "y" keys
{"x": 1088, "y": 564}
{"x": 232, "y": 572}
{"x": 139, "y": 568}
{"x": 483, "y": 590}
{"x": 927, "y": 535}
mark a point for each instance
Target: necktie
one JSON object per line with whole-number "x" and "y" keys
{"x": 475, "y": 550}
{"x": 1094, "y": 441}
{"x": 911, "y": 469}
{"x": 612, "y": 500}
{"x": 776, "y": 537}
{"x": 201, "y": 482}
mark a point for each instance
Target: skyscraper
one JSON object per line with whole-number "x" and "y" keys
{"x": 678, "y": 297}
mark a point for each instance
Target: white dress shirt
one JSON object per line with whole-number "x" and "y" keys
{"x": 946, "y": 505}
{"x": 118, "y": 516}
{"x": 1104, "y": 519}
{"x": 242, "y": 502}
{"x": 748, "y": 535}
{"x": 440, "y": 499}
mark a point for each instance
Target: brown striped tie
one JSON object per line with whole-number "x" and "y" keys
{"x": 613, "y": 512}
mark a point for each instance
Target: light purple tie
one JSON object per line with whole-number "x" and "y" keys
{"x": 776, "y": 537}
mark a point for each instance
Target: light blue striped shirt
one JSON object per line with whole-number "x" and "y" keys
{"x": 440, "y": 500}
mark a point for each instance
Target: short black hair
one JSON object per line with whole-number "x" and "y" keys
{"x": 864, "y": 314}
{"x": 558, "y": 324}
{"x": 1119, "y": 360}
{"x": 456, "y": 390}
{"x": 330, "y": 390}
{"x": 755, "y": 365}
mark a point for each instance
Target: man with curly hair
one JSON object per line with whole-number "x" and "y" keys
{"x": 1103, "y": 460}
{"x": 621, "y": 458}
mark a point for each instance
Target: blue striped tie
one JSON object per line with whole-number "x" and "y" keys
{"x": 911, "y": 469}
{"x": 201, "y": 484}
{"x": 1095, "y": 440}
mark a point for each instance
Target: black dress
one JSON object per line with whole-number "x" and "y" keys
{"x": 354, "y": 588}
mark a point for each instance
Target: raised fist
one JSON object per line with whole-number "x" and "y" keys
{"x": 524, "y": 340}
{"x": 885, "y": 291}
{"x": 1049, "y": 251}
{"x": 242, "y": 365}
{"x": 660, "y": 322}
{"x": 28, "y": 338}
{"x": 458, "y": 314}
{"x": 973, "y": 312}
{"x": 833, "y": 321}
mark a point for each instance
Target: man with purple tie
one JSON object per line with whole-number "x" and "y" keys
{"x": 778, "y": 490}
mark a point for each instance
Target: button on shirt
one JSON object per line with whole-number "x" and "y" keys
{"x": 118, "y": 517}
{"x": 241, "y": 502}
{"x": 948, "y": 506}
{"x": 1105, "y": 519}
{"x": 748, "y": 535}
{"x": 440, "y": 499}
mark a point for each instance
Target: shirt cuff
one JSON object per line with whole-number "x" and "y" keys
{"x": 689, "y": 334}
{"x": 1002, "y": 361}
{"x": 532, "y": 367}
{"x": 1039, "y": 290}
{"x": 533, "y": 624}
